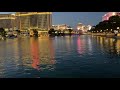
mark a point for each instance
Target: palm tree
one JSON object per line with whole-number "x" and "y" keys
{"x": 70, "y": 30}
{"x": 35, "y": 32}
{"x": 51, "y": 32}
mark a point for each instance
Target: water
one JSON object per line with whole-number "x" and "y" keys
{"x": 83, "y": 56}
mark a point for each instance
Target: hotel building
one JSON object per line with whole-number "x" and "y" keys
{"x": 83, "y": 28}
{"x": 7, "y": 21}
{"x": 27, "y": 21}
{"x": 60, "y": 27}
{"x": 80, "y": 26}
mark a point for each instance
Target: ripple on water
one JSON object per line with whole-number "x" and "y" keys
{"x": 75, "y": 56}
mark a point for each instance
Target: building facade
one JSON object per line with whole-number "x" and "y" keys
{"x": 61, "y": 27}
{"x": 26, "y": 21}
{"x": 89, "y": 27}
{"x": 33, "y": 20}
{"x": 83, "y": 28}
{"x": 80, "y": 26}
{"x": 7, "y": 21}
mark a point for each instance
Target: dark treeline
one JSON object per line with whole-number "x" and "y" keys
{"x": 108, "y": 25}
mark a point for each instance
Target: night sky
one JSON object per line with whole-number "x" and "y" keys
{"x": 72, "y": 18}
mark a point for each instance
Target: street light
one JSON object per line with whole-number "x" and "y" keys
{"x": 118, "y": 27}
{"x": 78, "y": 28}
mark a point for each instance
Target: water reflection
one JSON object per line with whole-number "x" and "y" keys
{"x": 118, "y": 46}
{"x": 80, "y": 45}
{"x": 10, "y": 58}
{"x": 110, "y": 46}
{"x": 69, "y": 43}
{"x": 90, "y": 44}
{"x": 35, "y": 53}
{"x": 42, "y": 53}
{"x": 75, "y": 56}
{"x": 52, "y": 53}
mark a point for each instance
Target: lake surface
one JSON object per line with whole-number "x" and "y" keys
{"x": 82, "y": 56}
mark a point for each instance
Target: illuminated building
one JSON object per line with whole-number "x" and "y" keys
{"x": 7, "y": 21}
{"x": 27, "y": 21}
{"x": 80, "y": 26}
{"x": 83, "y": 28}
{"x": 109, "y": 14}
{"x": 40, "y": 21}
{"x": 60, "y": 27}
{"x": 63, "y": 27}
{"x": 89, "y": 27}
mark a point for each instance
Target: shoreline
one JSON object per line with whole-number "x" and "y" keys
{"x": 108, "y": 35}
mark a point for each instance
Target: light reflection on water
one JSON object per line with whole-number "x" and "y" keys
{"x": 68, "y": 56}
{"x": 42, "y": 52}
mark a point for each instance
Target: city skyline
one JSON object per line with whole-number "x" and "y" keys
{"x": 75, "y": 45}
{"x": 73, "y": 18}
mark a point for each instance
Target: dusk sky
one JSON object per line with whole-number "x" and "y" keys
{"x": 72, "y": 18}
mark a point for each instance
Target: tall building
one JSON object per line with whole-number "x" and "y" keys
{"x": 26, "y": 21}
{"x": 33, "y": 20}
{"x": 7, "y": 21}
{"x": 109, "y": 14}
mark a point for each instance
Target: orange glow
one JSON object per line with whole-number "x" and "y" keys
{"x": 35, "y": 53}
{"x": 43, "y": 53}
{"x": 32, "y": 13}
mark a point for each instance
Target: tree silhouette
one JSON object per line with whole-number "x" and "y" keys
{"x": 70, "y": 31}
{"x": 108, "y": 25}
{"x": 51, "y": 32}
{"x": 35, "y": 32}
{"x": 2, "y": 32}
